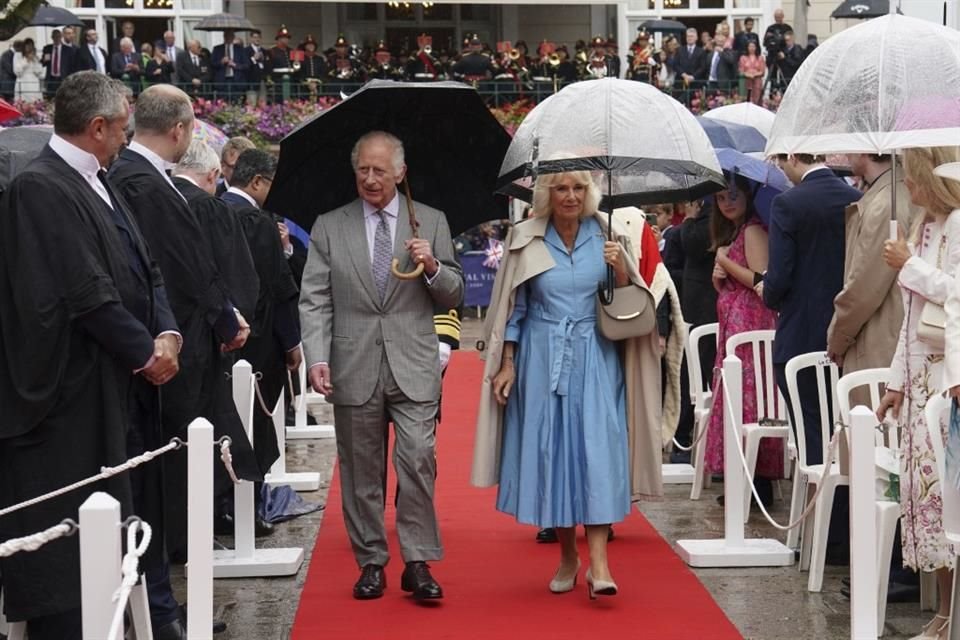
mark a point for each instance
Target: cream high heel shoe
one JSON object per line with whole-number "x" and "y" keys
{"x": 563, "y": 586}
{"x": 600, "y": 587}
{"x": 934, "y": 628}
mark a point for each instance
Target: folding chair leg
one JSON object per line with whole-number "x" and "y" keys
{"x": 928, "y": 592}
{"x": 752, "y": 448}
{"x": 821, "y": 526}
{"x": 796, "y": 508}
{"x": 700, "y": 476}
{"x": 806, "y": 531}
{"x": 888, "y": 513}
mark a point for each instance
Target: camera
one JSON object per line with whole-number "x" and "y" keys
{"x": 774, "y": 43}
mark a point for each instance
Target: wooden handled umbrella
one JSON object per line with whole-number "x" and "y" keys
{"x": 414, "y": 227}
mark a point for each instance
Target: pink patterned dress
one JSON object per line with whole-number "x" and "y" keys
{"x": 740, "y": 309}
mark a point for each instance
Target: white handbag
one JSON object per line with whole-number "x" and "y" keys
{"x": 932, "y": 327}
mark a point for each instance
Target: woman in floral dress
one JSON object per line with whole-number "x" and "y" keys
{"x": 740, "y": 241}
{"x": 927, "y": 266}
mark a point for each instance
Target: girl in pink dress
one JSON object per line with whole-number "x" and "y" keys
{"x": 740, "y": 241}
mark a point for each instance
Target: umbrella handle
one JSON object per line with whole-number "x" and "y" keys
{"x": 414, "y": 227}
{"x": 605, "y": 289}
{"x": 395, "y": 270}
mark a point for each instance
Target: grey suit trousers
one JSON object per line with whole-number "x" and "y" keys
{"x": 361, "y": 446}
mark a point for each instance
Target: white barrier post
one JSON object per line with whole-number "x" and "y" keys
{"x": 200, "y": 529}
{"x": 302, "y": 481}
{"x": 733, "y": 550}
{"x": 863, "y": 530}
{"x": 300, "y": 430}
{"x": 99, "y": 562}
{"x": 245, "y": 560}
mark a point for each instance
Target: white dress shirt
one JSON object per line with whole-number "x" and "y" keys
{"x": 161, "y": 165}
{"x": 98, "y": 58}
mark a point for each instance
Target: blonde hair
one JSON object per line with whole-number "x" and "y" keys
{"x": 541, "y": 193}
{"x": 943, "y": 193}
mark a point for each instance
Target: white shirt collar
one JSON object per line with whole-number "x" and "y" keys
{"x": 392, "y": 209}
{"x": 817, "y": 167}
{"x": 84, "y": 162}
{"x": 243, "y": 194}
{"x": 184, "y": 176}
{"x": 158, "y": 163}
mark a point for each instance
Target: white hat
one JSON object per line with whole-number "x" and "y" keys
{"x": 950, "y": 171}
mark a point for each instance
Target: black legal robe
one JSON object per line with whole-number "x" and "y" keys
{"x": 64, "y": 394}
{"x": 274, "y": 329}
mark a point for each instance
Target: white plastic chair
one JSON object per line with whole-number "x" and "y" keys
{"x": 950, "y": 497}
{"x": 813, "y": 548}
{"x": 887, "y": 511}
{"x": 702, "y": 399}
{"x": 770, "y": 402}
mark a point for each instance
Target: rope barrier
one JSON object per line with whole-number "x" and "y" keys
{"x": 828, "y": 464}
{"x": 227, "y": 458}
{"x": 256, "y": 387}
{"x": 34, "y": 541}
{"x": 130, "y": 569}
{"x": 105, "y": 472}
{"x": 700, "y": 437}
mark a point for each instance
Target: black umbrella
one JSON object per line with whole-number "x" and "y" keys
{"x": 225, "y": 22}
{"x": 453, "y": 146}
{"x": 862, "y": 9}
{"x": 663, "y": 26}
{"x": 47, "y": 16}
{"x": 18, "y": 146}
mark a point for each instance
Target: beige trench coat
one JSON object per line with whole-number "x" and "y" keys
{"x": 868, "y": 311}
{"x": 527, "y": 256}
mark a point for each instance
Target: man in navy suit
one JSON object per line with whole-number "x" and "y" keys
{"x": 805, "y": 273}
{"x": 691, "y": 64}
{"x": 230, "y": 65}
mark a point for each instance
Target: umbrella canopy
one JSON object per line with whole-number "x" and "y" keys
{"x": 663, "y": 26}
{"x": 18, "y": 146}
{"x": 768, "y": 179}
{"x": 8, "y": 111}
{"x": 206, "y": 132}
{"x": 664, "y": 156}
{"x": 47, "y": 16}
{"x": 861, "y": 9}
{"x": 727, "y": 135}
{"x": 872, "y": 89}
{"x": 453, "y": 146}
{"x": 225, "y": 22}
{"x": 746, "y": 114}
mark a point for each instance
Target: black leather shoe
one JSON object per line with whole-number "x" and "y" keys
{"x": 417, "y": 580}
{"x": 371, "y": 584}
{"x": 223, "y": 526}
{"x": 547, "y": 535}
{"x": 175, "y": 630}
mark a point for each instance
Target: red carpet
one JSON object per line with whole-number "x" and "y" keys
{"x": 495, "y": 576}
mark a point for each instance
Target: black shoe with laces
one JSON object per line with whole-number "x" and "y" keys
{"x": 417, "y": 580}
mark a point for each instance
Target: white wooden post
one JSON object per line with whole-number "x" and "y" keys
{"x": 200, "y": 529}
{"x": 245, "y": 560}
{"x": 733, "y": 550}
{"x": 863, "y": 530}
{"x": 302, "y": 481}
{"x": 300, "y": 430}
{"x": 100, "y": 554}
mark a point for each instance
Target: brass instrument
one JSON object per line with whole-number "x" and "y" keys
{"x": 597, "y": 69}
{"x": 513, "y": 55}
{"x": 553, "y": 60}
{"x": 296, "y": 66}
{"x": 428, "y": 49}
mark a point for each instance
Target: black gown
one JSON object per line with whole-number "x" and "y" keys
{"x": 63, "y": 395}
{"x": 265, "y": 349}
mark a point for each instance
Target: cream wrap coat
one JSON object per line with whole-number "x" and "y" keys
{"x": 527, "y": 256}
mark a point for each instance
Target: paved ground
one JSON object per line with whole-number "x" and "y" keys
{"x": 765, "y": 604}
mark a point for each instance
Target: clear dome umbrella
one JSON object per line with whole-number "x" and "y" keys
{"x": 647, "y": 147}
{"x": 887, "y": 84}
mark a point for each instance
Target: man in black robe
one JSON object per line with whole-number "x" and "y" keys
{"x": 274, "y": 344}
{"x": 198, "y": 294}
{"x": 86, "y": 333}
{"x": 195, "y": 176}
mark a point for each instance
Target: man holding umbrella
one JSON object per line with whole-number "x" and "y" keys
{"x": 372, "y": 351}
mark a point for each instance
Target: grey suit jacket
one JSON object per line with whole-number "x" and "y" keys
{"x": 345, "y": 324}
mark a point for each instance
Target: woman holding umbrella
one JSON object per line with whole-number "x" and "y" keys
{"x": 558, "y": 385}
{"x": 739, "y": 239}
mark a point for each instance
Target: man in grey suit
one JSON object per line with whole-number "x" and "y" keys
{"x": 372, "y": 348}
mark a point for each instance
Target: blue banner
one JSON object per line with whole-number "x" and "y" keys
{"x": 478, "y": 279}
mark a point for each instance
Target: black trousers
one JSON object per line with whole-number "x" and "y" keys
{"x": 62, "y": 626}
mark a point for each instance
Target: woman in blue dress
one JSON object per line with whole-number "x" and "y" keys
{"x": 564, "y": 454}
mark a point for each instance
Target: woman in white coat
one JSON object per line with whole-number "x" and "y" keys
{"x": 30, "y": 72}
{"x": 928, "y": 266}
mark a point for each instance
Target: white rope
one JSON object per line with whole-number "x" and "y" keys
{"x": 130, "y": 568}
{"x": 700, "y": 437}
{"x": 256, "y": 388}
{"x": 828, "y": 464}
{"x": 293, "y": 394}
{"x": 227, "y": 458}
{"x": 35, "y": 541}
{"x": 105, "y": 472}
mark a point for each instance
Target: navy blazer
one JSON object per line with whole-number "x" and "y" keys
{"x": 805, "y": 272}
{"x": 239, "y": 58}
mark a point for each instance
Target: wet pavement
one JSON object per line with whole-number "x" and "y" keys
{"x": 764, "y": 604}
